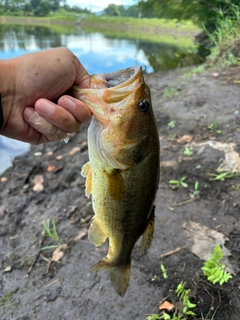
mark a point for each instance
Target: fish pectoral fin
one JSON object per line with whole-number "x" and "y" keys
{"x": 87, "y": 173}
{"x": 147, "y": 235}
{"x": 96, "y": 234}
{"x": 119, "y": 274}
{"x": 115, "y": 183}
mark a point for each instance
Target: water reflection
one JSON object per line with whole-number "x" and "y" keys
{"x": 98, "y": 52}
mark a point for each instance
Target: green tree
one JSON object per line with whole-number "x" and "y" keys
{"x": 112, "y": 10}
{"x": 202, "y": 12}
{"x": 43, "y": 8}
{"x": 131, "y": 11}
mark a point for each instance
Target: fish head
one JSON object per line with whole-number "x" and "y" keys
{"x": 123, "y": 117}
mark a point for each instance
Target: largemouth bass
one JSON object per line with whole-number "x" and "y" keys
{"x": 123, "y": 170}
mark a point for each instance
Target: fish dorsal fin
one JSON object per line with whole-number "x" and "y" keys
{"x": 115, "y": 183}
{"x": 148, "y": 232}
{"x": 96, "y": 234}
{"x": 87, "y": 173}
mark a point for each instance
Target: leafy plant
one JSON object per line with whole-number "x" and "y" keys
{"x": 170, "y": 92}
{"x": 153, "y": 316}
{"x": 164, "y": 271}
{"x": 236, "y": 187}
{"x": 221, "y": 176}
{"x": 179, "y": 183}
{"x": 154, "y": 278}
{"x": 196, "y": 191}
{"x": 214, "y": 126}
{"x": 213, "y": 269}
{"x": 172, "y": 124}
{"x": 188, "y": 151}
{"x": 183, "y": 295}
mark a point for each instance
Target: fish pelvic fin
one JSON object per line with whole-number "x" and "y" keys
{"x": 96, "y": 233}
{"x": 119, "y": 274}
{"x": 147, "y": 235}
{"x": 87, "y": 173}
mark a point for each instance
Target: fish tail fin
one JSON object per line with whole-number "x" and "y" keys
{"x": 119, "y": 274}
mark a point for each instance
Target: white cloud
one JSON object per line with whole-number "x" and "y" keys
{"x": 96, "y": 5}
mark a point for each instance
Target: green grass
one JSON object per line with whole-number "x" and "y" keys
{"x": 127, "y": 22}
{"x": 225, "y": 38}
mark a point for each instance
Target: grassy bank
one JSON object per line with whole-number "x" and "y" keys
{"x": 156, "y": 25}
{"x": 44, "y": 21}
{"x": 104, "y": 22}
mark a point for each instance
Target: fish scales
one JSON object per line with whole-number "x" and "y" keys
{"x": 122, "y": 174}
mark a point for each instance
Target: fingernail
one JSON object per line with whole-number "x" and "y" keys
{"x": 67, "y": 103}
{"x": 28, "y": 112}
{"x": 44, "y": 107}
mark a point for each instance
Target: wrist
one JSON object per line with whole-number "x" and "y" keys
{"x": 7, "y": 89}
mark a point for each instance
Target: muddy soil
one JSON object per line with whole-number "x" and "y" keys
{"x": 34, "y": 287}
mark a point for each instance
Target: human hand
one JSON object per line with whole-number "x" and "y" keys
{"x": 33, "y": 88}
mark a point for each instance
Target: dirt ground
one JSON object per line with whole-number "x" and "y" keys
{"x": 33, "y": 287}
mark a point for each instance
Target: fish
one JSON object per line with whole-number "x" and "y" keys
{"x": 122, "y": 173}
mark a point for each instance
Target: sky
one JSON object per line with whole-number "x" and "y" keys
{"x": 98, "y": 5}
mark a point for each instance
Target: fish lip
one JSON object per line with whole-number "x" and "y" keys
{"x": 115, "y": 79}
{"x": 111, "y": 80}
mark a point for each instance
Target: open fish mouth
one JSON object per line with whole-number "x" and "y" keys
{"x": 113, "y": 79}
{"x": 121, "y": 78}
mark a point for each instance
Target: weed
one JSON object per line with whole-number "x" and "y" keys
{"x": 188, "y": 151}
{"x": 164, "y": 271}
{"x": 179, "y": 183}
{"x": 170, "y": 92}
{"x": 213, "y": 269}
{"x": 196, "y": 192}
{"x": 51, "y": 232}
{"x": 221, "y": 176}
{"x": 195, "y": 71}
{"x": 236, "y": 186}
{"x": 172, "y": 124}
{"x": 153, "y": 316}
{"x": 172, "y": 136}
{"x": 214, "y": 127}
{"x": 227, "y": 30}
{"x": 183, "y": 295}
{"x": 154, "y": 278}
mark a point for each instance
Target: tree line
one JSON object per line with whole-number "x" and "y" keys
{"x": 36, "y": 7}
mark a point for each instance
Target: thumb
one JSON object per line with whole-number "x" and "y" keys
{"x": 83, "y": 79}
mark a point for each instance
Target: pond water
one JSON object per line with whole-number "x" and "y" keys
{"x": 97, "y": 51}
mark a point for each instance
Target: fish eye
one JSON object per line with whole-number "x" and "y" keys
{"x": 143, "y": 106}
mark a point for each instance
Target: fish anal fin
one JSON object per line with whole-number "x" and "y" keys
{"x": 119, "y": 274}
{"x": 87, "y": 173}
{"x": 115, "y": 184}
{"x": 95, "y": 233}
{"x": 147, "y": 235}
